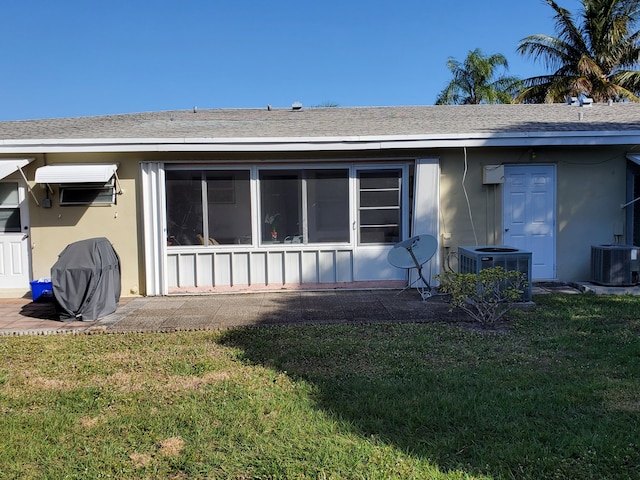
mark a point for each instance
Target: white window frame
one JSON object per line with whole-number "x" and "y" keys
{"x": 304, "y": 206}
{"x": 404, "y": 199}
{"x": 109, "y": 188}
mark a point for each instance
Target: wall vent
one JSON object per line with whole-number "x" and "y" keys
{"x": 474, "y": 259}
{"x": 615, "y": 265}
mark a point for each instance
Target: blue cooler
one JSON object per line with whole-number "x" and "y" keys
{"x": 41, "y": 288}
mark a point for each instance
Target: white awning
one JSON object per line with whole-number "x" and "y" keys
{"x": 82, "y": 173}
{"x": 11, "y": 165}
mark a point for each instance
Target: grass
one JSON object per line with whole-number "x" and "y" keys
{"x": 554, "y": 395}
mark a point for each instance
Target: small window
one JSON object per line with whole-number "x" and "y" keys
{"x": 88, "y": 194}
{"x": 9, "y": 208}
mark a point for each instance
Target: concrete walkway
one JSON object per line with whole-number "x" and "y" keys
{"x": 221, "y": 311}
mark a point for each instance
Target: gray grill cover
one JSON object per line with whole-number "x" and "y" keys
{"x": 86, "y": 280}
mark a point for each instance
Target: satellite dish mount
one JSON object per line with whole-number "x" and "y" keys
{"x": 414, "y": 253}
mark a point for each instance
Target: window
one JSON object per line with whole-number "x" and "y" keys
{"x": 304, "y": 206}
{"x": 228, "y": 203}
{"x": 328, "y": 200}
{"x": 88, "y": 194}
{"x": 281, "y": 200}
{"x": 184, "y": 207}
{"x": 208, "y": 207}
{"x": 293, "y": 206}
{"x": 379, "y": 202}
{"x": 9, "y": 207}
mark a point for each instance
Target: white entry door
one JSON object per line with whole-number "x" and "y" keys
{"x": 529, "y": 215}
{"x": 14, "y": 238}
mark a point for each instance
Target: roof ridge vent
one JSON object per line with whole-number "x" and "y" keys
{"x": 581, "y": 100}
{"x": 585, "y": 101}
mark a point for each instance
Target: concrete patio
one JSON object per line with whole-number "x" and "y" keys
{"x": 214, "y": 312}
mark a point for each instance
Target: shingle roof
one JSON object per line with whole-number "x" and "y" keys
{"x": 369, "y": 122}
{"x": 363, "y": 128}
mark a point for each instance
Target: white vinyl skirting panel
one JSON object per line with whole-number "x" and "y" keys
{"x": 215, "y": 267}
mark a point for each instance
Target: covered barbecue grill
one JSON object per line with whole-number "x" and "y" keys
{"x": 86, "y": 280}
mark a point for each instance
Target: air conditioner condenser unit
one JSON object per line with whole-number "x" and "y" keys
{"x": 615, "y": 265}
{"x": 474, "y": 259}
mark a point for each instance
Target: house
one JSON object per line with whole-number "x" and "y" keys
{"x": 224, "y": 200}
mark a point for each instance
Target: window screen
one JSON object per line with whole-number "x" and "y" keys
{"x": 87, "y": 194}
{"x": 379, "y": 206}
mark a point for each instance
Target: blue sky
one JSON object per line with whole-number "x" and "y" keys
{"x": 75, "y": 58}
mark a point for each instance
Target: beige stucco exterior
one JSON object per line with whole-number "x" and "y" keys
{"x": 589, "y": 194}
{"x": 52, "y": 229}
{"x": 590, "y": 191}
{"x": 589, "y": 149}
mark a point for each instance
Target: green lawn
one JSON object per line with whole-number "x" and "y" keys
{"x": 553, "y": 394}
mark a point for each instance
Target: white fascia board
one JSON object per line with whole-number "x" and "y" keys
{"x": 306, "y": 144}
{"x": 312, "y": 140}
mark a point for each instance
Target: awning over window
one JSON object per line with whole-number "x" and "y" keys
{"x": 11, "y": 165}
{"x": 82, "y": 173}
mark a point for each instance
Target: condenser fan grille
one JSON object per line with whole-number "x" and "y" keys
{"x": 474, "y": 259}
{"x": 614, "y": 265}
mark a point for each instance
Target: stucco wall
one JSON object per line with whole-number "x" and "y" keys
{"x": 590, "y": 191}
{"x": 52, "y": 229}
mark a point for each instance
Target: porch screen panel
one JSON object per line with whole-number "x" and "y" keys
{"x": 228, "y": 207}
{"x": 184, "y": 207}
{"x": 281, "y": 201}
{"x": 379, "y": 206}
{"x": 328, "y": 205}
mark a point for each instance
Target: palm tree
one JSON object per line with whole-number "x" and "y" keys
{"x": 597, "y": 56}
{"x": 473, "y": 81}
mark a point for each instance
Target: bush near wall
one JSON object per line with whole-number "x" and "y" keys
{"x": 486, "y": 296}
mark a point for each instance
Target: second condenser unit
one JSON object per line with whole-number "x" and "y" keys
{"x": 615, "y": 265}
{"x": 474, "y": 259}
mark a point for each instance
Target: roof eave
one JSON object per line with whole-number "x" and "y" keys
{"x": 308, "y": 144}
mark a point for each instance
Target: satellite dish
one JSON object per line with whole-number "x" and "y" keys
{"x": 414, "y": 253}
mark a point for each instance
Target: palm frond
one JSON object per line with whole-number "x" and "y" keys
{"x": 474, "y": 81}
{"x": 566, "y": 28}
{"x": 587, "y": 56}
{"x": 551, "y": 51}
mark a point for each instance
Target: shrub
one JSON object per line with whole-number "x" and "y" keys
{"x": 487, "y": 296}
